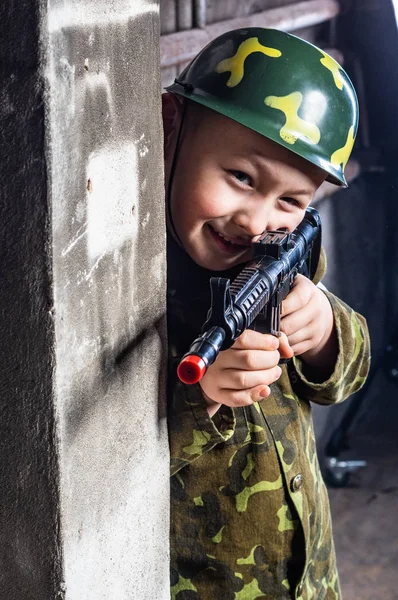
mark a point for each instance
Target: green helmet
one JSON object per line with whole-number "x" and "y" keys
{"x": 282, "y": 87}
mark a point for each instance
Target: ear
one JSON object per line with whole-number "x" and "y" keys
{"x": 171, "y": 113}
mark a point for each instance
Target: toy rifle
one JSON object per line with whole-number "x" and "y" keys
{"x": 254, "y": 298}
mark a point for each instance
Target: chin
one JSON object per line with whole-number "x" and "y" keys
{"x": 216, "y": 262}
{"x": 220, "y": 265}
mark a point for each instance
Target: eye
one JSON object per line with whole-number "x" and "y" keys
{"x": 242, "y": 177}
{"x": 291, "y": 201}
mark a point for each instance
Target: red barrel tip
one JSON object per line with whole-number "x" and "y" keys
{"x": 191, "y": 369}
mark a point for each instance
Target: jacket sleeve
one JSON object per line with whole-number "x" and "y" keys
{"x": 191, "y": 431}
{"x": 353, "y": 358}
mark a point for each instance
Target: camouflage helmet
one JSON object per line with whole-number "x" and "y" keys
{"x": 282, "y": 87}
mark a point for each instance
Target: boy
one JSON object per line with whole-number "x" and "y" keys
{"x": 252, "y": 128}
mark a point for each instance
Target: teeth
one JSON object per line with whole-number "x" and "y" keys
{"x": 224, "y": 237}
{"x": 229, "y": 240}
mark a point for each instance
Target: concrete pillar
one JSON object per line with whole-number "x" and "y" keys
{"x": 84, "y": 468}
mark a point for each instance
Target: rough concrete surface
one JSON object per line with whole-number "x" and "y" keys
{"x": 84, "y": 469}
{"x": 30, "y": 562}
{"x": 108, "y": 243}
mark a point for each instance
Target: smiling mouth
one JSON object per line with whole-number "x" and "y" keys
{"x": 230, "y": 245}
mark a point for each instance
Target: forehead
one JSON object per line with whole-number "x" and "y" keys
{"x": 221, "y": 135}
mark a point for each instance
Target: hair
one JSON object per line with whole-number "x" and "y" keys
{"x": 194, "y": 115}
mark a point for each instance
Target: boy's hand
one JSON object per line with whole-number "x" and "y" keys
{"x": 242, "y": 374}
{"x": 307, "y": 320}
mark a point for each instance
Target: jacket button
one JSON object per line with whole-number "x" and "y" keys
{"x": 296, "y": 483}
{"x": 300, "y": 588}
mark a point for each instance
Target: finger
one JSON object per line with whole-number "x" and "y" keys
{"x": 248, "y": 360}
{"x": 254, "y": 340}
{"x": 299, "y": 295}
{"x": 297, "y": 321}
{"x": 236, "y": 398}
{"x": 285, "y": 349}
{"x": 305, "y": 339}
{"x": 302, "y": 347}
{"x": 300, "y": 336}
{"x": 245, "y": 380}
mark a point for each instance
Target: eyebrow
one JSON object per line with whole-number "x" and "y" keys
{"x": 257, "y": 156}
{"x": 303, "y": 192}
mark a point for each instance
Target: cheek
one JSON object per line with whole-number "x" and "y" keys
{"x": 208, "y": 199}
{"x": 201, "y": 191}
{"x": 212, "y": 205}
{"x": 281, "y": 220}
{"x": 294, "y": 221}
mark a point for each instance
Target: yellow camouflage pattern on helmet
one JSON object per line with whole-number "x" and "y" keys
{"x": 282, "y": 87}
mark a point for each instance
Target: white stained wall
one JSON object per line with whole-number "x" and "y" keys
{"x": 106, "y": 193}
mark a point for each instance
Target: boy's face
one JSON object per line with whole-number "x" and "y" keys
{"x": 230, "y": 185}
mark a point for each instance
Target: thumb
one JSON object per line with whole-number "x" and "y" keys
{"x": 259, "y": 392}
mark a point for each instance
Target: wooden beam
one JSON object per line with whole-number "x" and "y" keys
{"x": 168, "y": 16}
{"x": 184, "y": 14}
{"x": 200, "y": 13}
{"x": 182, "y": 46}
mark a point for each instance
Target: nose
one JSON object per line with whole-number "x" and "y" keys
{"x": 255, "y": 218}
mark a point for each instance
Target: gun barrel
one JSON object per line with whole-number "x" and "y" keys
{"x": 202, "y": 353}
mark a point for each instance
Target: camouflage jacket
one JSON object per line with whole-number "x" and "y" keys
{"x": 249, "y": 513}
